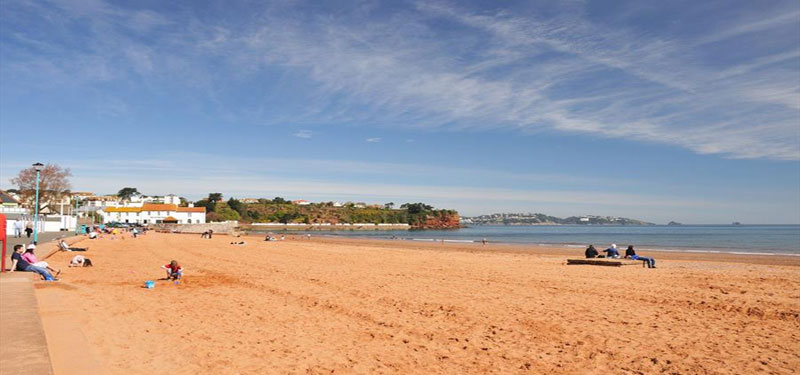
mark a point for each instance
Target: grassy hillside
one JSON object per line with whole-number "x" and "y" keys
{"x": 418, "y": 215}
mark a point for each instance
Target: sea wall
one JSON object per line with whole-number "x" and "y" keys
{"x": 224, "y": 227}
{"x": 322, "y": 227}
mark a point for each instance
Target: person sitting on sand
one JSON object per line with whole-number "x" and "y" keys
{"x": 174, "y": 270}
{"x": 80, "y": 261}
{"x": 631, "y": 254}
{"x": 612, "y": 251}
{"x": 30, "y": 257}
{"x": 591, "y": 252}
{"x": 20, "y": 264}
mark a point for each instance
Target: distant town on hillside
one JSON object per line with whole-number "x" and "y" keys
{"x": 542, "y": 219}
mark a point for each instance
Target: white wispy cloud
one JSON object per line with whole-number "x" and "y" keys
{"x": 504, "y": 71}
{"x": 778, "y": 20}
{"x": 373, "y": 140}
{"x": 302, "y": 134}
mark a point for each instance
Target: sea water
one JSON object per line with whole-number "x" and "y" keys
{"x": 765, "y": 239}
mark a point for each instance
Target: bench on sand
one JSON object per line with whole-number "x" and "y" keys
{"x": 609, "y": 262}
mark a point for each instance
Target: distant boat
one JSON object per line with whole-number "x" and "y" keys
{"x": 736, "y": 223}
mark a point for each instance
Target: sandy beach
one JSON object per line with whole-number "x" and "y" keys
{"x": 346, "y": 306}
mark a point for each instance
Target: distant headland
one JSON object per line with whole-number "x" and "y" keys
{"x": 542, "y": 219}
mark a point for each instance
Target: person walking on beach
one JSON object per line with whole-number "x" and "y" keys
{"x": 612, "y": 251}
{"x": 19, "y": 226}
{"x": 591, "y": 252}
{"x": 631, "y": 254}
{"x": 29, "y": 229}
{"x": 20, "y": 264}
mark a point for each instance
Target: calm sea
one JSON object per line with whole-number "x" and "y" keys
{"x": 768, "y": 239}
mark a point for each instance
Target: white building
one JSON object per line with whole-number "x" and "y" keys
{"x": 150, "y": 213}
{"x": 138, "y": 200}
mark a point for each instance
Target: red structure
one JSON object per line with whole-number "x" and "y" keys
{"x": 3, "y": 239}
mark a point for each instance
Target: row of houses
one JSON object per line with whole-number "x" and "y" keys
{"x": 139, "y": 209}
{"x": 155, "y": 213}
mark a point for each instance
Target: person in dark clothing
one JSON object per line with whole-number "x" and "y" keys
{"x": 631, "y": 254}
{"x": 18, "y": 263}
{"x": 591, "y": 252}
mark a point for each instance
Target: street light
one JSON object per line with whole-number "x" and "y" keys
{"x": 76, "y": 215}
{"x": 38, "y": 168}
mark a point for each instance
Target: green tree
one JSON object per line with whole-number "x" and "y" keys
{"x": 287, "y": 217}
{"x": 226, "y": 213}
{"x": 416, "y": 208}
{"x": 214, "y": 197}
{"x": 210, "y": 207}
{"x": 127, "y": 192}
{"x": 236, "y": 205}
{"x": 279, "y": 200}
{"x": 253, "y": 215}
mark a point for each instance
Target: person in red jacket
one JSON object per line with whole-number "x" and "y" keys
{"x": 174, "y": 270}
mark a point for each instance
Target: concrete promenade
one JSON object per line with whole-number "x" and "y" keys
{"x": 23, "y": 347}
{"x": 23, "y": 344}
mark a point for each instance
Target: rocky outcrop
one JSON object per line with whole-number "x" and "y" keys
{"x": 443, "y": 221}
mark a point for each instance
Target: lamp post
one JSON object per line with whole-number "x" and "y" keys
{"x": 38, "y": 168}
{"x": 76, "y": 216}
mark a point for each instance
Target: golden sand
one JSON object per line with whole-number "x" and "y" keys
{"x": 324, "y": 306}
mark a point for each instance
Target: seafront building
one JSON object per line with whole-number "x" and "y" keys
{"x": 153, "y": 213}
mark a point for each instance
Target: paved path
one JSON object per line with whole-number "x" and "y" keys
{"x": 23, "y": 347}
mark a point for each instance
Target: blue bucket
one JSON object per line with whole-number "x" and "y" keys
{"x": 149, "y": 284}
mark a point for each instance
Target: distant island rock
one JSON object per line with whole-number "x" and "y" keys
{"x": 542, "y": 219}
{"x": 674, "y": 223}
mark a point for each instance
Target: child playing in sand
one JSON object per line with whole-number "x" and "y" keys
{"x": 80, "y": 261}
{"x": 174, "y": 270}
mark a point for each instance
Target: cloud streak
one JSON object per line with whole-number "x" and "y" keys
{"x": 303, "y": 134}
{"x": 501, "y": 71}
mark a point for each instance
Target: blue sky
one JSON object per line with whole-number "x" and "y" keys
{"x": 686, "y": 111}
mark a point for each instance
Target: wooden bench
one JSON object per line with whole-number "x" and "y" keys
{"x": 608, "y": 262}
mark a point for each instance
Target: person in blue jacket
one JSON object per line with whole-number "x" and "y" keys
{"x": 612, "y": 252}
{"x": 631, "y": 254}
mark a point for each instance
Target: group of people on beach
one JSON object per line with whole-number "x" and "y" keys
{"x": 612, "y": 252}
{"x": 21, "y": 226}
{"x": 24, "y": 260}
